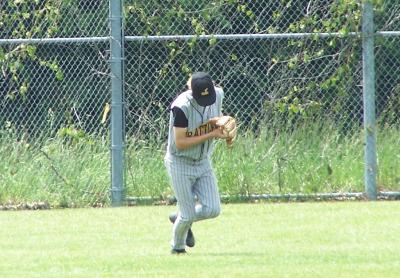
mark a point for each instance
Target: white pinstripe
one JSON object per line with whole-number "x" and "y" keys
{"x": 196, "y": 116}
{"x": 190, "y": 170}
{"x": 192, "y": 179}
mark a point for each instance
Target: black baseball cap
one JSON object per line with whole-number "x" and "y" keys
{"x": 203, "y": 89}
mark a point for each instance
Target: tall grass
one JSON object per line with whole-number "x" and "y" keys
{"x": 65, "y": 174}
{"x": 306, "y": 159}
{"x": 389, "y": 159}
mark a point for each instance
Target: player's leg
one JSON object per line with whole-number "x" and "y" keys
{"x": 182, "y": 183}
{"x": 206, "y": 190}
{"x": 190, "y": 241}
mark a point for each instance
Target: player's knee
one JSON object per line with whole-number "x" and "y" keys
{"x": 187, "y": 221}
{"x": 212, "y": 212}
{"x": 216, "y": 211}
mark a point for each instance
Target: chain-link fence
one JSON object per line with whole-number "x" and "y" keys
{"x": 54, "y": 84}
{"x": 284, "y": 65}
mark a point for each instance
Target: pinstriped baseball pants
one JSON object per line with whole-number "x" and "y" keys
{"x": 191, "y": 179}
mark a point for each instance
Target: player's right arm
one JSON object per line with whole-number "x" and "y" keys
{"x": 182, "y": 141}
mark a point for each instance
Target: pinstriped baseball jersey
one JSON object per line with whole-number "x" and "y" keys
{"x": 197, "y": 117}
{"x": 190, "y": 169}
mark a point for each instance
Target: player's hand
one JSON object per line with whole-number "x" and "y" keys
{"x": 219, "y": 134}
{"x": 213, "y": 121}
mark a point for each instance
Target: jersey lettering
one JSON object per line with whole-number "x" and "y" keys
{"x": 201, "y": 130}
{"x": 197, "y": 125}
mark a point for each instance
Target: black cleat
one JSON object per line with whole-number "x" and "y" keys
{"x": 178, "y": 251}
{"x": 190, "y": 237}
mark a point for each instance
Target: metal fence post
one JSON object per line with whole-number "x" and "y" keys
{"x": 116, "y": 64}
{"x": 369, "y": 99}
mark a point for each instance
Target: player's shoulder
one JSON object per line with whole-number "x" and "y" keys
{"x": 182, "y": 100}
{"x": 219, "y": 92}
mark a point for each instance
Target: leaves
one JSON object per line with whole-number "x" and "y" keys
{"x": 26, "y": 19}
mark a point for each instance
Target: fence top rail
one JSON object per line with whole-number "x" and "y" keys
{"x": 239, "y": 36}
{"x": 256, "y": 36}
{"x": 389, "y": 33}
{"x": 200, "y": 37}
{"x": 54, "y": 40}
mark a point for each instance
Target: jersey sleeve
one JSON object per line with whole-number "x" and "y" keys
{"x": 180, "y": 119}
{"x": 221, "y": 97}
{"x": 221, "y": 91}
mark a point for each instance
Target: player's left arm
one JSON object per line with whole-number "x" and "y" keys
{"x": 182, "y": 141}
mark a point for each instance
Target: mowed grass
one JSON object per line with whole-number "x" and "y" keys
{"x": 332, "y": 239}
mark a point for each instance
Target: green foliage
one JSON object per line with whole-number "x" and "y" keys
{"x": 36, "y": 79}
{"x": 311, "y": 77}
{"x": 25, "y": 19}
{"x": 318, "y": 73}
{"x": 29, "y": 18}
{"x": 310, "y": 96}
{"x": 185, "y": 17}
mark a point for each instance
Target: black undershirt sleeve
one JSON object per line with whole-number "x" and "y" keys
{"x": 180, "y": 119}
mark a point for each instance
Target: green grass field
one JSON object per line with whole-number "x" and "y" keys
{"x": 331, "y": 239}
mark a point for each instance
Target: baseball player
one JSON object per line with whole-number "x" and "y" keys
{"x": 192, "y": 131}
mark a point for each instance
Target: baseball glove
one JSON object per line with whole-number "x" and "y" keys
{"x": 229, "y": 128}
